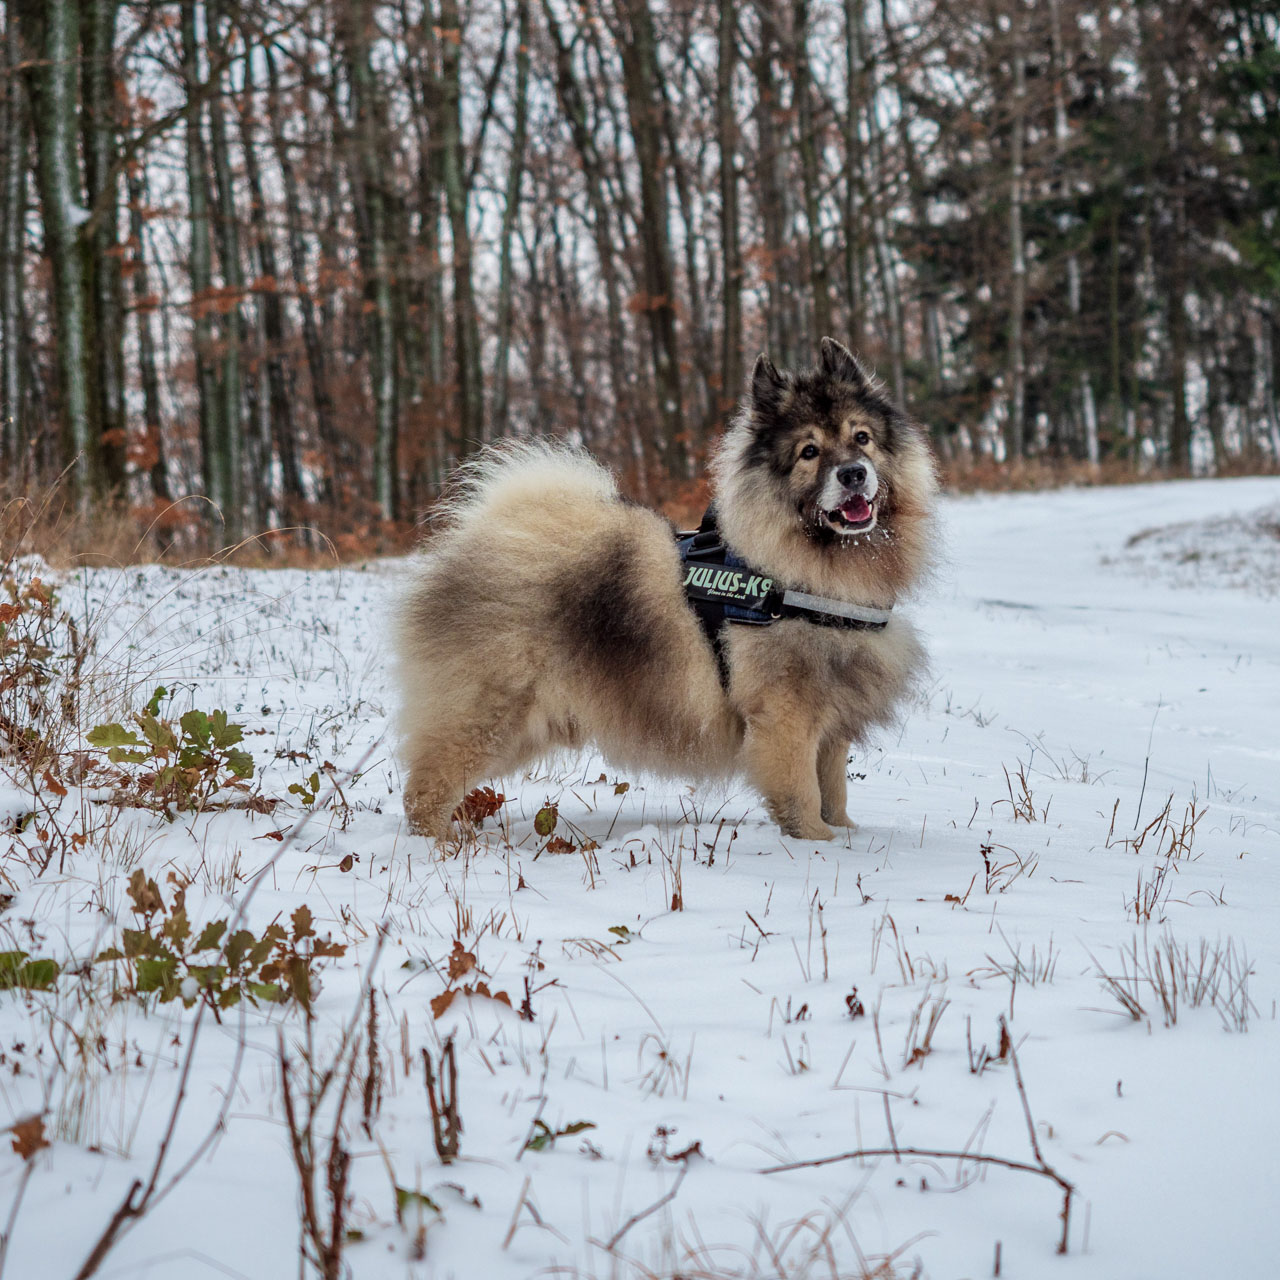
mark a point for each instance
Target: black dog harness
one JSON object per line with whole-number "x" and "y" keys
{"x": 721, "y": 588}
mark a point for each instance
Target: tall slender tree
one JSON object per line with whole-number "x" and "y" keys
{"x": 810, "y": 171}
{"x": 144, "y": 306}
{"x": 278, "y": 367}
{"x": 50, "y": 33}
{"x": 214, "y": 451}
{"x": 731, "y": 271}
{"x": 13, "y": 216}
{"x": 230, "y": 446}
{"x": 100, "y": 130}
{"x": 1017, "y": 246}
{"x": 510, "y": 215}
{"x": 466, "y": 325}
{"x": 370, "y": 172}
{"x": 634, "y": 30}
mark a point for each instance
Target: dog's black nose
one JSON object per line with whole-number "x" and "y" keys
{"x": 852, "y": 476}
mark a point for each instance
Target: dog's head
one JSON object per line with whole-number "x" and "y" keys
{"x": 824, "y": 453}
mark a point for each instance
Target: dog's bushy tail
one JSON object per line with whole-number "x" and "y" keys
{"x": 518, "y": 475}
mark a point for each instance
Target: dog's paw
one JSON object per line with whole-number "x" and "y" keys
{"x": 431, "y": 831}
{"x": 809, "y": 831}
{"x": 424, "y": 820}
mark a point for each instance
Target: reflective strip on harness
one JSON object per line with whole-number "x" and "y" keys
{"x": 837, "y": 608}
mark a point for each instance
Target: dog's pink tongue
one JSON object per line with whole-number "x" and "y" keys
{"x": 856, "y": 510}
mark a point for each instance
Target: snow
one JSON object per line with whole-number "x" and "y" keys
{"x": 1070, "y": 645}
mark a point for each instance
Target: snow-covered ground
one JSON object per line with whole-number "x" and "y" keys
{"x": 1083, "y": 678}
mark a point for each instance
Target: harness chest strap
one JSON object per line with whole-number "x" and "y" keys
{"x": 721, "y": 588}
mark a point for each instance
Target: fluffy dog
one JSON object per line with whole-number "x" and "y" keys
{"x": 549, "y": 612}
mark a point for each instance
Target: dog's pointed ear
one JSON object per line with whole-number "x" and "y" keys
{"x": 766, "y": 383}
{"x": 841, "y": 363}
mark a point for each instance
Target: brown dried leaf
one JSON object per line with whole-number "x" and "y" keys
{"x": 441, "y": 1003}
{"x": 28, "y": 1136}
{"x": 145, "y": 894}
{"x": 303, "y": 923}
{"x": 478, "y": 805}
{"x": 557, "y": 844}
{"x": 461, "y": 961}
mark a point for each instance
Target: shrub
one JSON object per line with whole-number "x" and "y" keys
{"x": 168, "y": 959}
{"x": 184, "y": 766}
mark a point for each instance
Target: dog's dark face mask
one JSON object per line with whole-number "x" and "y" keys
{"x": 828, "y": 442}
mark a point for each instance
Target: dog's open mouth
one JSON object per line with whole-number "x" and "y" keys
{"x": 854, "y": 515}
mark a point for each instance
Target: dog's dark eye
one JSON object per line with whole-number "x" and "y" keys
{"x": 809, "y": 451}
{"x": 863, "y": 437}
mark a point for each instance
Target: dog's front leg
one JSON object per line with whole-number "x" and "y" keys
{"x": 833, "y": 782}
{"x": 781, "y": 760}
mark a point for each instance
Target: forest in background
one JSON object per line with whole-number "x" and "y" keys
{"x": 300, "y": 256}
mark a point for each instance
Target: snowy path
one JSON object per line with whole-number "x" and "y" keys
{"x": 1059, "y": 654}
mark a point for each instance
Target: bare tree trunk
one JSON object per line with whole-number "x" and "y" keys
{"x": 1173, "y": 114}
{"x": 200, "y": 262}
{"x": 1115, "y": 394}
{"x": 1271, "y": 388}
{"x": 771, "y": 197}
{"x": 810, "y": 170}
{"x": 1016, "y": 439}
{"x": 99, "y": 131}
{"x": 510, "y": 211}
{"x": 227, "y": 229}
{"x": 143, "y": 311}
{"x": 569, "y": 96}
{"x": 731, "y": 374}
{"x": 927, "y": 286}
{"x": 570, "y": 324}
{"x": 537, "y": 333}
{"x": 279, "y": 370}
{"x": 466, "y": 329}
{"x": 311, "y": 341}
{"x": 876, "y": 179}
{"x": 422, "y": 81}
{"x": 1176, "y": 302}
{"x": 1088, "y": 408}
{"x": 699, "y": 338}
{"x": 369, "y": 169}
{"x": 13, "y": 215}
{"x": 853, "y": 168}
{"x": 50, "y": 34}
{"x": 1171, "y": 109}
{"x": 640, "y": 71}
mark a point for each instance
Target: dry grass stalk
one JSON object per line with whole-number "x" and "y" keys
{"x": 442, "y": 1094}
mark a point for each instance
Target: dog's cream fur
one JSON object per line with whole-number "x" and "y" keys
{"x": 549, "y": 613}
